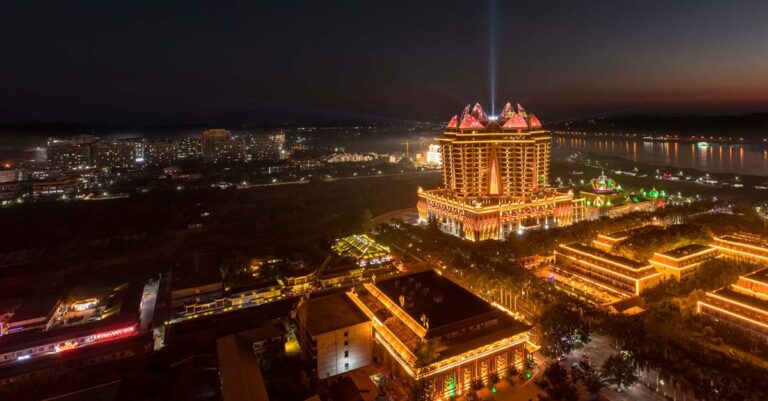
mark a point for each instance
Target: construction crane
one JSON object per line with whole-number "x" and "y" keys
{"x": 407, "y": 148}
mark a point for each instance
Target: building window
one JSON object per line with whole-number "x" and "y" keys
{"x": 346, "y": 343}
{"x": 346, "y": 354}
{"x": 346, "y": 334}
{"x": 346, "y": 366}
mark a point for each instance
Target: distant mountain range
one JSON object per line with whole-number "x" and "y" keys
{"x": 753, "y": 126}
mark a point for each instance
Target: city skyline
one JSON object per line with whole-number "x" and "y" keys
{"x": 251, "y": 63}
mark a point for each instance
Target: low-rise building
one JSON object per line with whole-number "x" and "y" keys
{"x": 469, "y": 338}
{"x": 197, "y": 282}
{"x": 620, "y": 276}
{"x": 743, "y": 247}
{"x": 682, "y": 261}
{"x": 743, "y": 304}
{"x": 335, "y": 333}
{"x": 55, "y": 187}
{"x": 363, "y": 249}
{"x": 606, "y": 242}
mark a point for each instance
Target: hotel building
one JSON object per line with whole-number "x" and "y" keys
{"x": 617, "y": 275}
{"x": 743, "y": 247}
{"x": 743, "y": 304}
{"x": 682, "y": 262}
{"x": 471, "y": 338}
{"x": 495, "y": 178}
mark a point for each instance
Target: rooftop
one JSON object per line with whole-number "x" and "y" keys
{"x": 441, "y": 300}
{"x": 747, "y": 239}
{"x": 745, "y": 299}
{"x": 686, "y": 250}
{"x": 759, "y": 275}
{"x": 239, "y": 369}
{"x": 196, "y": 271}
{"x": 621, "y": 234}
{"x": 630, "y": 263}
{"x": 360, "y": 247}
{"x": 459, "y": 318}
{"x": 332, "y": 312}
{"x": 476, "y": 119}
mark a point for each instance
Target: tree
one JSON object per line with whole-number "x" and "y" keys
{"x": 562, "y": 328}
{"x": 493, "y": 379}
{"x": 427, "y": 352}
{"x": 619, "y": 370}
{"x": 512, "y": 373}
{"x": 422, "y": 390}
{"x": 556, "y": 385}
{"x": 366, "y": 220}
{"x": 594, "y": 382}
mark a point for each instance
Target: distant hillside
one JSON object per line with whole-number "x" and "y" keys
{"x": 753, "y": 126}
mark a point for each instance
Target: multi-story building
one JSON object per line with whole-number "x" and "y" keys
{"x": 743, "y": 247}
{"x": 606, "y": 242}
{"x": 495, "y": 178}
{"x": 335, "y": 333}
{"x": 160, "y": 152}
{"x": 475, "y": 339}
{"x": 683, "y": 261}
{"x": 743, "y": 304}
{"x": 190, "y": 149}
{"x": 265, "y": 146}
{"x": 434, "y": 157}
{"x": 114, "y": 154}
{"x": 211, "y": 140}
{"x": 621, "y": 277}
{"x": 67, "y": 154}
{"x": 9, "y": 175}
{"x": 55, "y": 187}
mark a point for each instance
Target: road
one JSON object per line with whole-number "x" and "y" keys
{"x": 598, "y": 350}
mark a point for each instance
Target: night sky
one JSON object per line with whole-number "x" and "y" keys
{"x": 146, "y": 62}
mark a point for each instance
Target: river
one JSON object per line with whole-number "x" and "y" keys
{"x": 711, "y": 157}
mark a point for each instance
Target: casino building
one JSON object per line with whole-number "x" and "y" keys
{"x": 495, "y": 178}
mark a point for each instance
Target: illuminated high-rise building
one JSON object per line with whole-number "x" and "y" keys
{"x": 212, "y": 139}
{"x": 495, "y": 177}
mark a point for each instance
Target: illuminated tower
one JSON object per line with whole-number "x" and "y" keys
{"x": 495, "y": 177}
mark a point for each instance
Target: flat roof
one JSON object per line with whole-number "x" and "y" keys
{"x": 617, "y": 235}
{"x": 743, "y": 298}
{"x": 35, "y": 306}
{"x": 196, "y": 271}
{"x": 441, "y": 300}
{"x": 634, "y": 264}
{"x": 745, "y": 239}
{"x": 448, "y": 306}
{"x": 128, "y": 313}
{"x": 240, "y": 372}
{"x": 332, "y": 312}
{"x": 758, "y": 275}
{"x": 686, "y": 250}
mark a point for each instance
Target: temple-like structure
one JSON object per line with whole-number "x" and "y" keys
{"x": 495, "y": 178}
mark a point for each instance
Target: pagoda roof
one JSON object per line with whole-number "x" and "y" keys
{"x": 516, "y": 121}
{"x": 454, "y": 122}
{"x": 470, "y": 121}
{"x": 534, "y": 121}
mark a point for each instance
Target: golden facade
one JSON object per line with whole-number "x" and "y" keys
{"x": 495, "y": 178}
